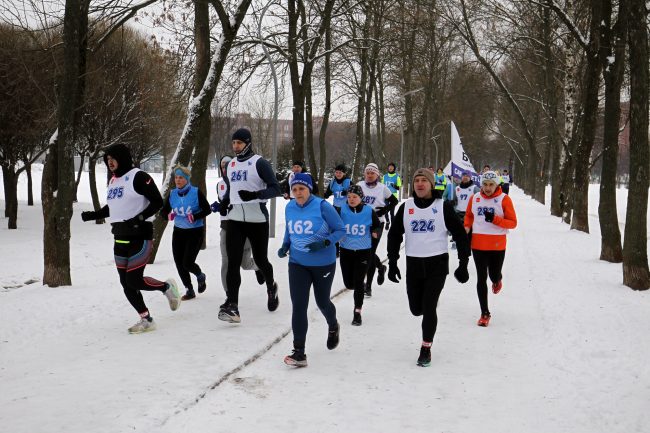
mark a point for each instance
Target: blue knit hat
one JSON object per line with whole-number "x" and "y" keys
{"x": 302, "y": 179}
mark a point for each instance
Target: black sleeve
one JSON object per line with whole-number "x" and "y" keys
{"x": 226, "y": 196}
{"x": 144, "y": 185}
{"x": 103, "y": 212}
{"x": 396, "y": 234}
{"x": 268, "y": 176}
{"x": 391, "y": 202}
{"x": 376, "y": 223}
{"x": 328, "y": 191}
{"x": 284, "y": 187}
{"x": 167, "y": 207}
{"x": 457, "y": 230}
{"x": 204, "y": 205}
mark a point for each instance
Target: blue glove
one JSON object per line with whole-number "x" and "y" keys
{"x": 318, "y": 245}
{"x": 215, "y": 206}
{"x": 282, "y": 252}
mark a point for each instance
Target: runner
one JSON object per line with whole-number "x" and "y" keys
{"x": 361, "y": 226}
{"x": 312, "y": 229}
{"x": 425, "y": 220}
{"x": 132, "y": 198}
{"x": 187, "y": 207}
{"x": 490, "y": 214}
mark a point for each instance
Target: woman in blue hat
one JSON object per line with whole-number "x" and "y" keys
{"x": 312, "y": 229}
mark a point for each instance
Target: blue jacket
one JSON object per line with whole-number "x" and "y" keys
{"x": 315, "y": 221}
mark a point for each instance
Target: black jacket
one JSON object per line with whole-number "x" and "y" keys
{"x": 439, "y": 264}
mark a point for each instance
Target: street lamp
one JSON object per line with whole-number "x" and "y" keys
{"x": 274, "y": 161}
{"x": 401, "y": 152}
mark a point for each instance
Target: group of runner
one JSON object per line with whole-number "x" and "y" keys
{"x": 316, "y": 233}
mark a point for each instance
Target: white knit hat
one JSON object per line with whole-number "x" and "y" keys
{"x": 372, "y": 167}
{"x": 490, "y": 176}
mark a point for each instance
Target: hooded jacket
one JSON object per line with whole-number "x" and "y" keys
{"x": 135, "y": 227}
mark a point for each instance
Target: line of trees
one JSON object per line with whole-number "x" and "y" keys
{"x": 526, "y": 81}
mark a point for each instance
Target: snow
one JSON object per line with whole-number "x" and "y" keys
{"x": 566, "y": 350}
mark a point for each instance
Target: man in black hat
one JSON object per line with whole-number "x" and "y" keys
{"x": 251, "y": 182}
{"x": 296, "y": 167}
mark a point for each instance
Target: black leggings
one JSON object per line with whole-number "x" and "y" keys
{"x": 487, "y": 263}
{"x": 236, "y": 235}
{"x": 131, "y": 257}
{"x": 301, "y": 278}
{"x": 423, "y": 292}
{"x": 186, "y": 244}
{"x": 354, "y": 265}
{"x": 375, "y": 261}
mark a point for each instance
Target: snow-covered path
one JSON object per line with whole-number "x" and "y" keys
{"x": 566, "y": 350}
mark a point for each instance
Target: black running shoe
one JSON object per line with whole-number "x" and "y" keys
{"x": 296, "y": 359}
{"x": 200, "y": 279}
{"x": 356, "y": 319}
{"x": 260, "y": 277}
{"x": 273, "y": 299}
{"x": 333, "y": 337}
{"x": 229, "y": 313}
{"x": 425, "y": 357}
{"x": 381, "y": 274}
{"x": 189, "y": 294}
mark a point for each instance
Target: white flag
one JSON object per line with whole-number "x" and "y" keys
{"x": 460, "y": 162}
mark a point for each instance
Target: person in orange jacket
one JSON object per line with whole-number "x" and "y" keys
{"x": 490, "y": 214}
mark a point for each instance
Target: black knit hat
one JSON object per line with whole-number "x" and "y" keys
{"x": 242, "y": 134}
{"x": 356, "y": 189}
{"x": 300, "y": 163}
{"x": 121, "y": 153}
{"x": 340, "y": 167}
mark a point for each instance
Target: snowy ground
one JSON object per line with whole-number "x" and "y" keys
{"x": 566, "y": 350}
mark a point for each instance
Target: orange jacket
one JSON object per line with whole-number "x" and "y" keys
{"x": 487, "y": 242}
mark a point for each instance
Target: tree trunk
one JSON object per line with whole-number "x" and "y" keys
{"x": 613, "y": 45}
{"x": 7, "y": 187}
{"x": 635, "y": 247}
{"x": 11, "y": 195}
{"x": 78, "y": 178}
{"x": 200, "y": 104}
{"x": 309, "y": 125}
{"x": 30, "y": 185}
{"x": 589, "y": 123}
{"x": 58, "y": 174}
{"x": 322, "y": 146}
{"x": 298, "y": 96}
{"x": 92, "y": 180}
{"x": 202, "y": 141}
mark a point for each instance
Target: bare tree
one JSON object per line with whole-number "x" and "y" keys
{"x": 635, "y": 250}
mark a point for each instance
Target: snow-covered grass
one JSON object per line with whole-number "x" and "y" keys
{"x": 566, "y": 350}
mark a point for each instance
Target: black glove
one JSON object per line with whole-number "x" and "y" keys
{"x": 224, "y": 207}
{"x": 282, "y": 252}
{"x": 461, "y": 273}
{"x": 393, "y": 272}
{"x": 135, "y": 221}
{"x": 489, "y": 215}
{"x": 318, "y": 245}
{"x": 381, "y": 211}
{"x": 214, "y": 207}
{"x": 247, "y": 195}
{"x": 88, "y": 216}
